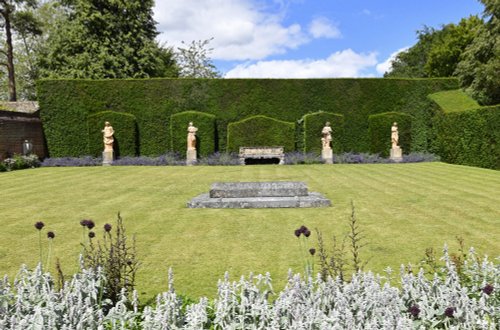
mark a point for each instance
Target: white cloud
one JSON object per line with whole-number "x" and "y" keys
{"x": 323, "y": 28}
{"x": 346, "y": 63}
{"x": 386, "y": 65}
{"x": 241, "y": 30}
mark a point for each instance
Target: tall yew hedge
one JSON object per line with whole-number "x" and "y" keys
{"x": 66, "y": 104}
{"x": 260, "y": 131}
{"x": 470, "y": 137}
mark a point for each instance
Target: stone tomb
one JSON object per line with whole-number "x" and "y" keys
{"x": 248, "y": 195}
{"x": 262, "y": 153}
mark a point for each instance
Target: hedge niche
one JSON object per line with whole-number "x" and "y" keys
{"x": 470, "y": 137}
{"x": 314, "y": 123}
{"x": 379, "y": 128}
{"x": 259, "y": 131}
{"x": 125, "y": 127}
{"x": 206, "y": 136}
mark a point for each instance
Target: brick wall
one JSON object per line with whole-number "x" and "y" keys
{"x": 15, "y": 127}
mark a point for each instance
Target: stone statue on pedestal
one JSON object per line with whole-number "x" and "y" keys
{"x": 396, "y": 151}
{"x": 191, "y": 144}
{"x": 108, "y": 139}
{"x": 326, "y": 151}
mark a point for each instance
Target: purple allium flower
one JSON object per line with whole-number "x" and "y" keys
{"x": 449, "y": 311}
{"x": 312, "y": 251}
{"x": 303, "y": 229}
{"x": 91, "y": 234}
{"x": 488, "y": 289}
{"x": 414, "y": 311}
{"x": 39, "y": 225}
{"x": 297, "y": 232}
{"x": 51, "y": 235}
{"x": 84, "y": 222}
{"x": 107, "y": 227}
{"x": 90, "y": 224}
{"x": 307, "y": 233}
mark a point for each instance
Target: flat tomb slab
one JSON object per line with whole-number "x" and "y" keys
{"x": 313, "y": 199}
{"x": 258, "y": 189}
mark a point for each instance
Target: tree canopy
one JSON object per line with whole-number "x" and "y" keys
{"x": 437, "y": 52}
{"x": 106, "y": 39}
{"x": 469, "y": 50}
{"x": 479, "y": 70}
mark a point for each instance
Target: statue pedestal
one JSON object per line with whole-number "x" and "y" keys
{"x": 191, "y": 157}
{"x": 327, "y": 155}
{"x": 107, "y": 158}
{"x": 396, "y": 154}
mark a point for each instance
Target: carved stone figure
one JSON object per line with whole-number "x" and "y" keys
{"x": 394, "y": 135}
{"x": 327, "y": 136}
{"x": 191, "y": 137}
{"x": 108, "y": 138}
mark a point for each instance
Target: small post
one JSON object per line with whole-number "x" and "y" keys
{"x": 27, "y": 148}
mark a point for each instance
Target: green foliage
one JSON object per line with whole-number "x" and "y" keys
{"x": 106, "y": 39}
{"x": 437, "y": 52}
{"x": 454, "y": 100}
{"x": 451, "y": 42}
{"x": 470, "y": 137}
{"x": 314, "y": 123}
{"x": 66, "y": 104}
{"x": 125, "y": 127}
{"x": 194, "y": 61}
{"x": 19, "y": 162}
{"x": 479, "y": 68}
{"x": 205, "y": 137}
{"x": 380, "y": 131}
{"x": 260, "y": 131}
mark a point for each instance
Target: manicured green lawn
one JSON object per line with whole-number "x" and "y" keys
{"x": 402, "y": 209}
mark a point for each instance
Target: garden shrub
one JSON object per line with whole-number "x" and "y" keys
{"x": 366, "y": 301}
{"x": 380, "y": 132}
{"x": 260, "y": 131}
{"x": 126, "y": 135}
{"x": 66, "y": 104}
{"x": 19, "y": 162}
{"x": 205, "y": 137}
{"x": 470, "y": 137}
{"x": 314, "y": 123}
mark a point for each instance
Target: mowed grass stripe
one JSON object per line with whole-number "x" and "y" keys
{"x": 402, "y": 209}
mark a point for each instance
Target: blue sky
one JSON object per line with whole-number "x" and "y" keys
{"x": 304, "y": 38}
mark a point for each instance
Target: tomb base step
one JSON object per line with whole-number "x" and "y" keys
{"x": 313, "y": 199}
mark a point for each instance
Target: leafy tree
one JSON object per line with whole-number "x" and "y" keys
{"x": 410, "y": 63}
{"x": 106, "y": 39}
{"x": 14, "y": 15}
{"x": 194, "y": 60}
{"x": 437, "y": 52}
{"x": 449, "y": 45}
{"x": 479, "y": 71}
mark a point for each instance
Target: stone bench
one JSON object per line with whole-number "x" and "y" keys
{"x": 262, "y": 153}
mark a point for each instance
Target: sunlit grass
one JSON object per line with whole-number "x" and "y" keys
{"x": 454, "y": 101}
{"x": 401, "y": 208}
